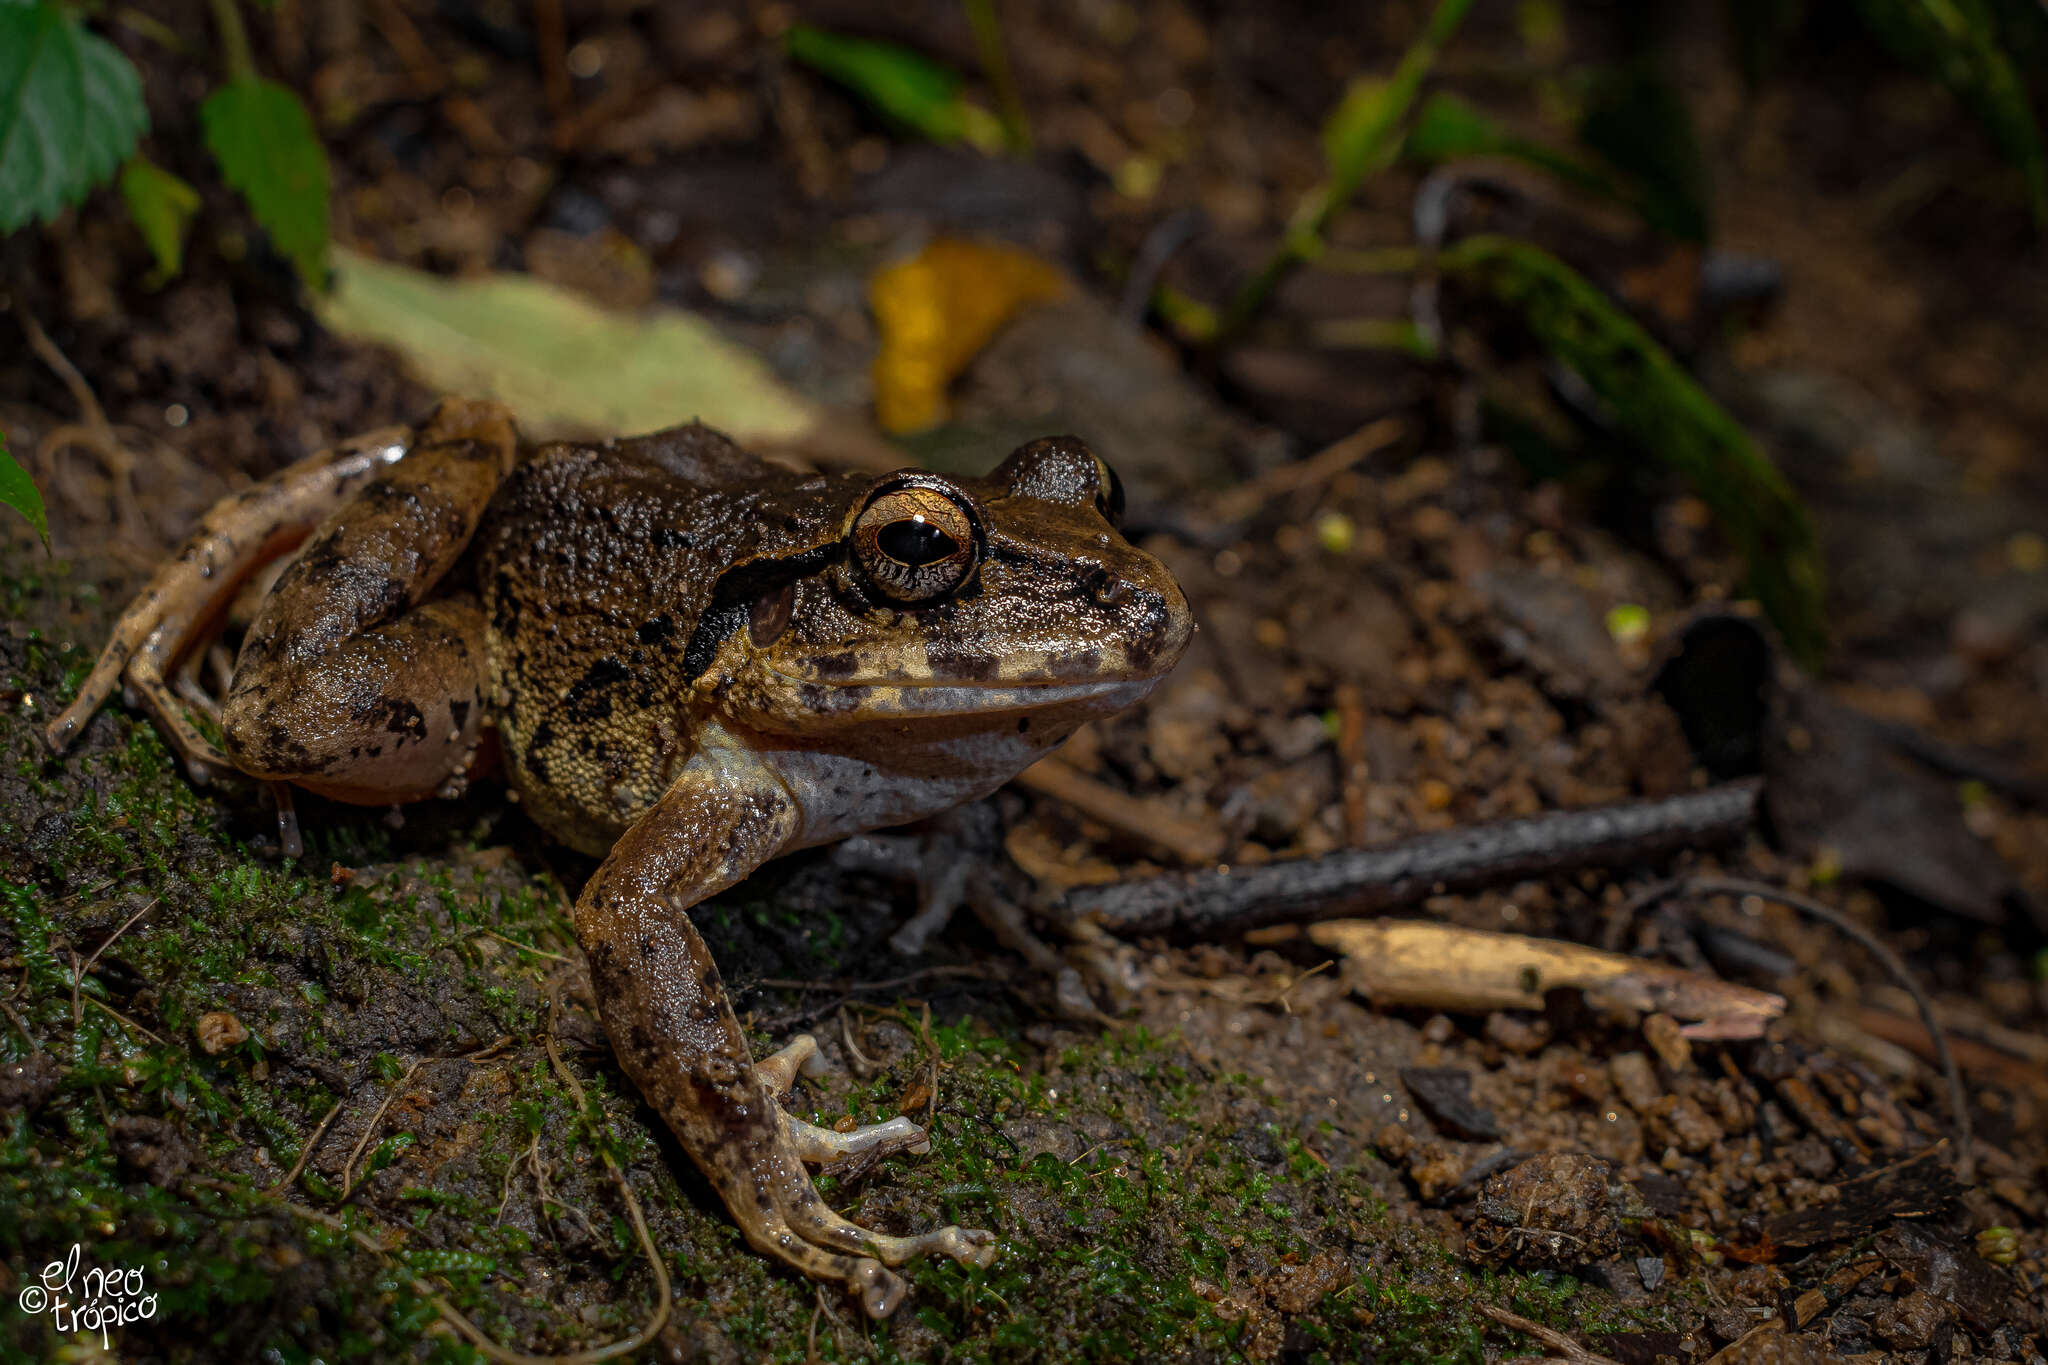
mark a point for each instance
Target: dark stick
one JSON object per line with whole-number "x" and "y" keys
{"x": 1370, "y": 880}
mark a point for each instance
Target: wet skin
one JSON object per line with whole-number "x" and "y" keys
{"x": 693, "y": 662}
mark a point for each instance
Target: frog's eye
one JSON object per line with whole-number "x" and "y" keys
{"x": 1109, "y": 492}
{"x": 915, "y": 544}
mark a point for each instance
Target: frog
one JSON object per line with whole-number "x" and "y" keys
{"x": 685, "y": 660}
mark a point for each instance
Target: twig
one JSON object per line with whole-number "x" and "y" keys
{"x": 126, "y": 924}
{"x": 1958, "y": 1098}
{"x": 306, "y": 1148}
{"x": 92, "y": 431}
{"x": 552, "y": 36}
{"x": 1549, "y": 1336}
{"x": 513, "y": 942}
{"x": 124, "y": 1020}
{"x": 995, "y": 63}
{"x": 33, "y": 1046}
{"x": 892, "y": 983}
{"x": 348, "y": 1172}
{"x": 1332, "y": 460}
{"x": 1160, "y": 246}
{"x": 1191, "y": 841}
{"x": 863, "y": 1065}
{"x": 1361, "y": 881}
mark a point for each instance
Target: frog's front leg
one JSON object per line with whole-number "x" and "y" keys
{"x": 673, "y": 1029}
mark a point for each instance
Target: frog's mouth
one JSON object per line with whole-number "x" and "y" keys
{"x": 910, "y": 697}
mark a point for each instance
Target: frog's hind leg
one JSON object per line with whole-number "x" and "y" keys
{"x": 235, "y": 538}
{"x": 353, "y": 681}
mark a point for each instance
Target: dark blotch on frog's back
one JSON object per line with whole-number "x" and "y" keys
{"x": 591, "y": 696}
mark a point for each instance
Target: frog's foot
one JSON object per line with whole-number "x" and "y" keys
{"x": 236, "y": 537}
{"x": 828, "y": 1149}
{"x": 782, "y": 1215}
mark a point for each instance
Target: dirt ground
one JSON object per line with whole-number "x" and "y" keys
{"x": 315, "y": 1100}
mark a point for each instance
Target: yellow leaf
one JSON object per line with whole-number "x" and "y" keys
{"x": 935, "y": 312}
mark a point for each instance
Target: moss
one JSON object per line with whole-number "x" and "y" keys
{"x": 1140, "y": 1199}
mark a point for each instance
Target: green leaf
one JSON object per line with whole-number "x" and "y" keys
{"x": 70, "y": 110}
{"x": 905, "y": 86}
{"x": 1361, "y": 137}
{"x": 1665, "y": 413}
{"x": 263, "y": 138}
{"x": 1639, "y": 124}
{"x": 19, "y": 491}
{"x": 388, "y": 1151}
{"x": 162, "y": 206}
{"x": 1957, "y": 42}
{"x": 1447, "y": 128}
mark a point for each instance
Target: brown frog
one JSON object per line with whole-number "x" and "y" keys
{"x": 692, "y": 661}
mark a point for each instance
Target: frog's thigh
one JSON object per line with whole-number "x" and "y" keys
{"x": 236, "y": 537}
{"x": 390, "y": 715}
{"x": 673, "y": 1029}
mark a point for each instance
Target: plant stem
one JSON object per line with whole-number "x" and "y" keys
{"x": 235, "y": 55}
{"x": 152, "y": 28}
{"x": 995, "y": 61}
{"x": 1304, "y": 238}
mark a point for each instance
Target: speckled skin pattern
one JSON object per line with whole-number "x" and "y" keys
{"x": 693, "y": 661}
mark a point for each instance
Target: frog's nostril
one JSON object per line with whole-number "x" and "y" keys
{"x": 1105, "y": 588}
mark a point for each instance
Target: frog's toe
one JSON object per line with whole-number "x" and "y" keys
{"x": 826, "y": 1148}
{"x": 968, "y": 1246}
{"x": 880, "y": 1288}
{"x": 780, "y": 1070}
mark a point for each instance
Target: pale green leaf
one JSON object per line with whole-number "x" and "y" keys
{"x": 19, "y": 491}
{"x": 263, "y": 138}
{"x": 1362, "y": 134}
{"x": 70, "y": 110}
{"x": 1358, "y": 137}
{"x": 566, "y": 366}
{"x": 162, "y": 206}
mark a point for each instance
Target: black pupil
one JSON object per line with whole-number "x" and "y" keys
{"x": 916, "y": 543}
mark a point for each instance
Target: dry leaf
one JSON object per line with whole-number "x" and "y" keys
{"x": 1442, "y": 966}
{"x": 936, "y": 311}
{"x": 220, "y": 1031}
